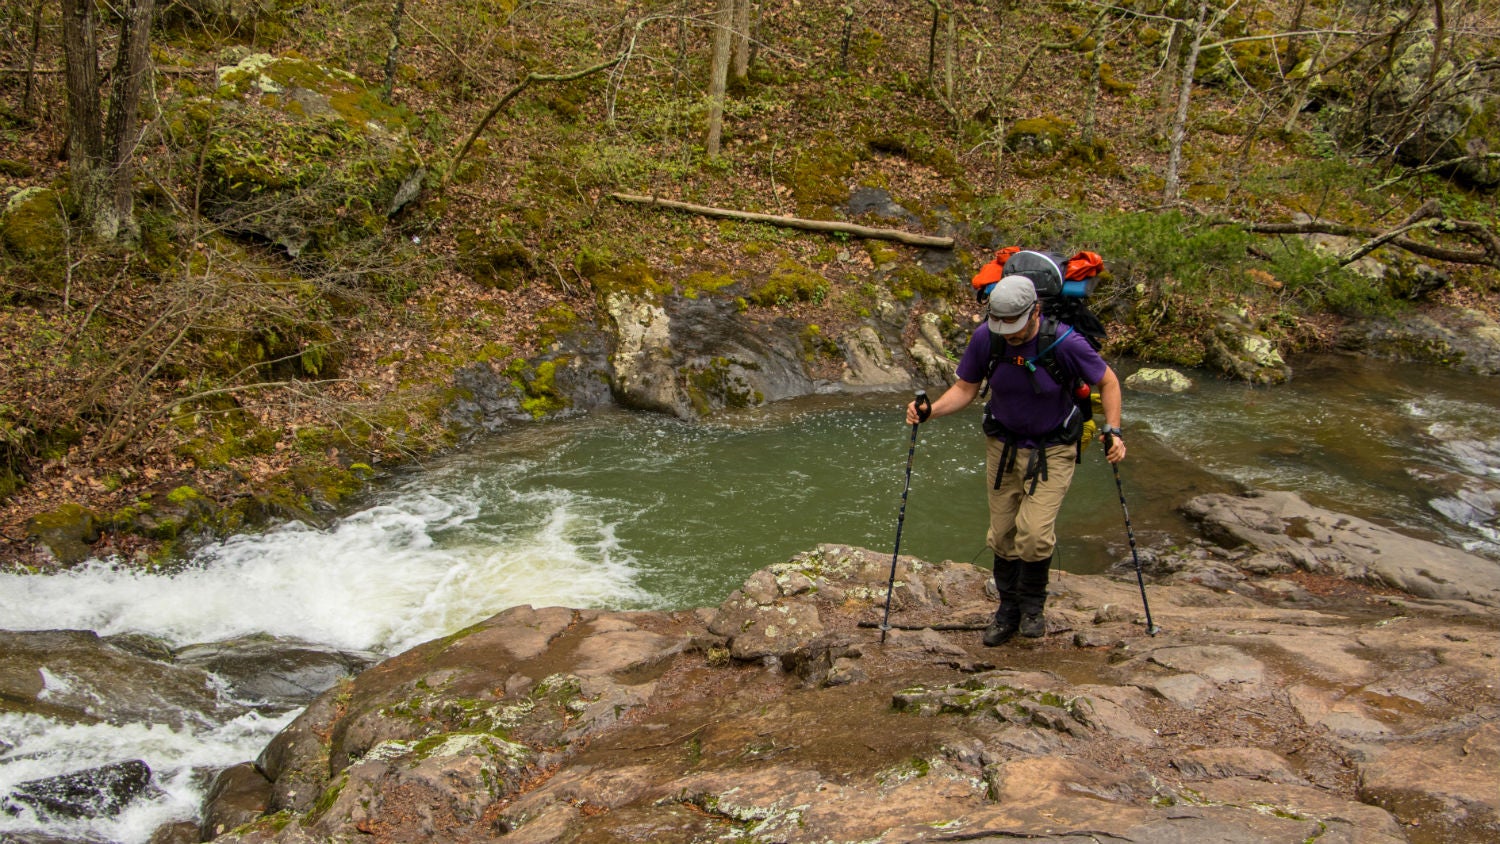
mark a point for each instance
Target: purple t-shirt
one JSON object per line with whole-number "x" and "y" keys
{"x": 1013, "y": 400}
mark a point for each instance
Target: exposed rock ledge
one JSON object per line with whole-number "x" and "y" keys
{"x": 1276, "y": 705}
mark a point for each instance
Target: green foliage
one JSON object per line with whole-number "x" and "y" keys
{"x": 1165, "y": 246}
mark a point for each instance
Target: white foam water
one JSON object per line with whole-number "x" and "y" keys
{"x": 384, "y": 579}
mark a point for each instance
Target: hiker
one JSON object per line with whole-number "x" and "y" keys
{"x": 1034, "y": 428}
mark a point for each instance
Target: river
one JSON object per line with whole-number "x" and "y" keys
{"x": 625, "y": 510}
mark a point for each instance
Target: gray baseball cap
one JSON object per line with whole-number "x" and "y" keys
{"x": 1010, "y": 304}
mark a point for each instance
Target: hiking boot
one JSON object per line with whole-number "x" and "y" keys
{"x": 1000, "y": 631}
{"x": 1033, "y": 625}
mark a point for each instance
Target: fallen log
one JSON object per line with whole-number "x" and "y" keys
{"x": 790, "y": 222}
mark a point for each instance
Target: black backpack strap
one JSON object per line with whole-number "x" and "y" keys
{"x": 997, "y": 351}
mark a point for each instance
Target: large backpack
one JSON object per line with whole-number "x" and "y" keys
{"x": 1063, "y": 288}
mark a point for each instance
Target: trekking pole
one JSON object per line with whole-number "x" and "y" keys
{"x": 924, "y": 407}
{"x": 1151, "y": 628}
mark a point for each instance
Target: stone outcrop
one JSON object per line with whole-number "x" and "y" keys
{"x": 689, "y": 357}
{"x": 76, "y": 677}
{"x": 1287, "y": 530}
{"x": 1280, "y": 702}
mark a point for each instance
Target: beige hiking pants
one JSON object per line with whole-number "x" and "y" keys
{"x": 1024, "y": 527}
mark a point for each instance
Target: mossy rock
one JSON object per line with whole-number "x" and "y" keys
{"x": 33, "y": 223}
{"x": 492, "y": 258}
{"x": 301, "y": 155}
{"x": 16, "y": 169}
{"x": 68, "y": 531}
{"x": 537, "y": 386}
{"x": 790, "y": 282}
{"x": 820, "y": 175}
{"x": 1038, "y": 136}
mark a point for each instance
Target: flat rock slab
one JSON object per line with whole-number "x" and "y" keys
{"x": 1321, "y": 540}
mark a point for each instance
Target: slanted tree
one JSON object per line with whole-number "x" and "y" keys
{"x": 101, "y": 146}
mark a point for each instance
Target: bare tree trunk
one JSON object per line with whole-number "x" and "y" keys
{"x": 937, "y": 14}
{"x": 848, "y": 35}
{"x": 123, "y": 128}
{"x": 393, "y": 53}
{"x": 948, "y": 57}
{"x": 741, "y": 66}
{"x": 85, "y": 118}
{"x": 28, "y": 101}
{"x": 1179, "y": 120}
{"x": 723, "y": 23}
{"x": 1091, "y": 103}
{"x": 1166, "y": 94}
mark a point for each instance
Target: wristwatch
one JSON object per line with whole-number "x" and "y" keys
{"x": 1112, "y": 429}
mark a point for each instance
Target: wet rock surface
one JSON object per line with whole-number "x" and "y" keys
{"x": 1284, "y": 703}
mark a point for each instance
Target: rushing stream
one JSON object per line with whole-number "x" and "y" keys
{"x": 623, "y": 510}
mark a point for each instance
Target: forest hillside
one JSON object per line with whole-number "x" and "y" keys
{"x": 254, "y": 252}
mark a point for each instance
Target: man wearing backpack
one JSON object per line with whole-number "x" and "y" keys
{"x": 1034, "y": 428}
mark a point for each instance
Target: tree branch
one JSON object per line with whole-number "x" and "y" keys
{"x": 790, "y": 222}
{"x": 1429, "y": 216}
{"x": 511, "y": 95}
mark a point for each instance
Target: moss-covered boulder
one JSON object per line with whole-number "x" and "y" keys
{"x": 68, "y": 531}
{"x": 32, "y": 224}
{"x": 1038, "y": 136}
{"x": 1236, "y": 347}
{"x": 1458, "y": 121}
{"x": 300, "y": 155}
{"x": 492, "y": 257}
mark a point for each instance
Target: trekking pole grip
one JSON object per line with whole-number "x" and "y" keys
{"x": 924, "y": 407}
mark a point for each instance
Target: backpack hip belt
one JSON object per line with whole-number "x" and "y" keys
{"x": 1070, "y": 432}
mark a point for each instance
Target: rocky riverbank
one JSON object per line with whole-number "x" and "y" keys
{"x": 1316, "y": 677}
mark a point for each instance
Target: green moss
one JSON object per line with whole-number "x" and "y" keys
{"x": 815, "y": 343}
{"x": 911, "y": 280}
{"x": 790, "y": 282}
{"x": 820, "y": 174}
{"x": 1039, "y": 136}
{"x": 33, "y": 224}
{"x": 716, "y": 383}
{"x": 918, "y": 146}
{"x": 705, "y": 282}
{"x": 492, "y": 257}
{"x": 631, "y": 277}
{"x": 70, "y": 517}
{"x": 538, "y": 387}
{"x": 329, "y": 796}
{"x": 184, "y": 494}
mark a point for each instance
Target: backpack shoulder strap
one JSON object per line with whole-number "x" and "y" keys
{"x": 1047, "y": 340}
{"x": 997, "y": 351}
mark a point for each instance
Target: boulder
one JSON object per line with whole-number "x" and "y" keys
{"x": 1237, "y": 348}
{"x": 1164, "y": 381}
{"x": 1323, "y": 541}
{"x": 1461, "y": 337}
{"x": 74, "y": 676}
{"x": 67, "y": 531}
{"x": 299, "y": 155}
{"x": 1249, "y": 717}
{"x": 92, "y": 793}
{"x": 275, "y": 673}
{"x": 691, "y": 357}
{"x": 239, "y": 794}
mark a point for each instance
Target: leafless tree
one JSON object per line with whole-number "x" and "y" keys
{"x": 101, "y": 147}
{"x": 718, "y": 75}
